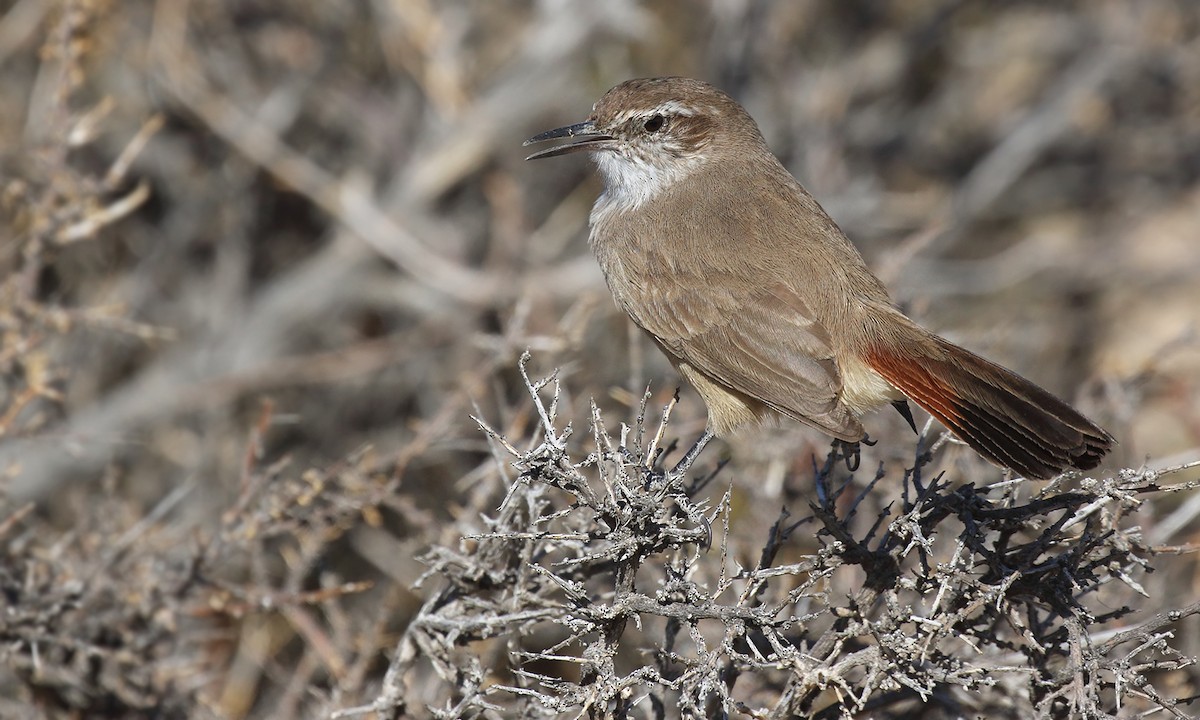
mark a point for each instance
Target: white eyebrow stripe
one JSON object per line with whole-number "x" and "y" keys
{"x": 670, "y": 107}
{"x": 673, "y": 107}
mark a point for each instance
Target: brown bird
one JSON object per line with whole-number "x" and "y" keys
{"x": 763, "y": 304}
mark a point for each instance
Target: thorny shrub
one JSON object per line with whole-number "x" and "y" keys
{"x": 599, "y": 591}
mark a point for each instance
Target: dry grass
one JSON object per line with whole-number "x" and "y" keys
{"x": 263, "y": 262}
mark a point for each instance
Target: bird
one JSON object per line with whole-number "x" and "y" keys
{"x": 763, "y": 304}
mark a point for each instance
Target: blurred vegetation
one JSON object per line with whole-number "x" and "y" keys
{"x": 261, "y": 261}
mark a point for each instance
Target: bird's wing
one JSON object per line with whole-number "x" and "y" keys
{"x": 761, "y": 342}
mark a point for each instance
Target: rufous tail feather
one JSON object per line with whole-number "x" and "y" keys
{"x": 1004, "y": 417}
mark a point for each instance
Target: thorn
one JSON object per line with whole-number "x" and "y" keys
{"x": 690, "y": 457}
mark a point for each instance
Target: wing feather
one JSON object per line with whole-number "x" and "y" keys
{"x": 760, "y": 342}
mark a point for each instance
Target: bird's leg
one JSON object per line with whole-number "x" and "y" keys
{"x": 690, "y": 456}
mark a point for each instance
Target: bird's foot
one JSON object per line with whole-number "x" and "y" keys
{"x": 851, "y": 451}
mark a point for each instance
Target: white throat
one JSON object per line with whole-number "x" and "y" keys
{"x": 631, "y": 180}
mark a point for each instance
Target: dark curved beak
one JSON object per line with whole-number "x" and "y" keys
{"x": 583, "y": 136}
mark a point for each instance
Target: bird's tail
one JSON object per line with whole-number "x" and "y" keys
{"x": 1004, "y": 417}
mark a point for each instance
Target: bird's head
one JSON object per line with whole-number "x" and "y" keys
{"x": 647, "y": 134}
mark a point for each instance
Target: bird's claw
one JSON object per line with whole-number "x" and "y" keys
{"x": 851, "y": 451}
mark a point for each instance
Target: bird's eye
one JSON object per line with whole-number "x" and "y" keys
{"x": 654, "y": 123}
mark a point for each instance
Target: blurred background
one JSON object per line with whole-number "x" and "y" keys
{"x": 287, "y": 247}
